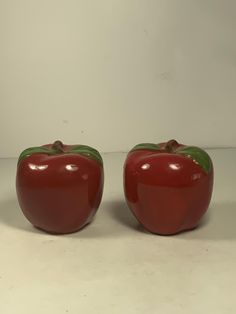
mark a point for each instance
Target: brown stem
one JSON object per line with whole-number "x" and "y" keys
{"x": 58, "y": 146}
{"x": 171, "y": 145}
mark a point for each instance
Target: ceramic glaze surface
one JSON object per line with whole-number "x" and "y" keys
{"x": 167, "y": 189}
{"x": 59, "y": 192}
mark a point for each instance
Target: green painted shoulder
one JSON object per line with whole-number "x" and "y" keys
{"x": 199, "y": 155}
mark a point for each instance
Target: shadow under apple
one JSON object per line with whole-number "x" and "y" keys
{"x": 12, "y": 216}
{"x": 217, "y": 224}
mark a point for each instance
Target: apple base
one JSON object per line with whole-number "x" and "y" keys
{"x": 63, "y": 232}
{"x": 166, "y": 234}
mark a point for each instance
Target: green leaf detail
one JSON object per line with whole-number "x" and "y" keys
{"x": 34, "y": 150}
{"x": 88, "y": 152}
{"x": 146, "y": 146}
{"x": 198, "y": 155}
{"x": 80, "y": 149}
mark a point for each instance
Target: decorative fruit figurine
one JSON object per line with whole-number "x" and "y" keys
{"x": 168, "y": 186}
{"x": 59, "y": 187}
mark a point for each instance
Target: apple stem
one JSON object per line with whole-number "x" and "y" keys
{"x": 171, "y": 145}
{"x": 58, "y": 146}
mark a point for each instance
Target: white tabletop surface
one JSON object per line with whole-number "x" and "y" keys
{"x": 112, "y": 266}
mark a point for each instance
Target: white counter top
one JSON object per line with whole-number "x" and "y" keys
{"x": 112, "y": 266}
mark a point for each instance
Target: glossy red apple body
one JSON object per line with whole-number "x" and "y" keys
{"x": 168, "y": 186}
{"x": 59, "y": 187}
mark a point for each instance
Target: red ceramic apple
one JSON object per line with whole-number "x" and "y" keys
{"x": 59, "y": 187}
{"x": 168, "y": 186}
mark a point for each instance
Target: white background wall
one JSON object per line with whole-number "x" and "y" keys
{"x": 112, "y": 73}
